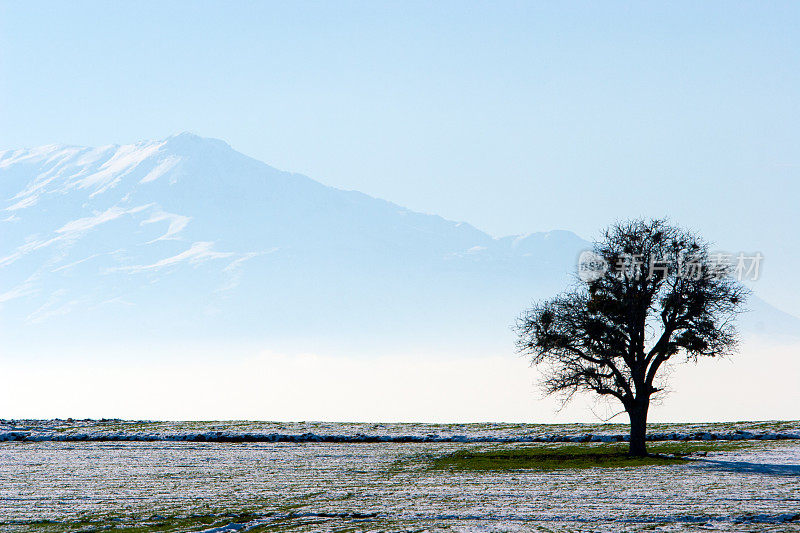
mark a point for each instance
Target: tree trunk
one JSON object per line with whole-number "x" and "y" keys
{"x": 638, "y": 416}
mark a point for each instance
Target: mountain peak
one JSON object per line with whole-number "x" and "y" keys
{"x": 187, "y": 140}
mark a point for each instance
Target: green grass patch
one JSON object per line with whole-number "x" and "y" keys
{"x": 544, "y": 457}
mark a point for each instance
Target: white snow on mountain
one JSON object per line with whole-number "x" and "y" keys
{"x": 187, "y": 227}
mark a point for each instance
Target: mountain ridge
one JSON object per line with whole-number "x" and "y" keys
{"x": 187, "y": 231}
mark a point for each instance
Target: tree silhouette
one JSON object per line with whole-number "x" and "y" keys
{"x": 650, "y": 292}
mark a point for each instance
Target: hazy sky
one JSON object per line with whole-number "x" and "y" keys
{"x": 515, "y": 117}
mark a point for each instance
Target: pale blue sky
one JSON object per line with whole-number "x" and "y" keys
{"x": 515, "y": 117}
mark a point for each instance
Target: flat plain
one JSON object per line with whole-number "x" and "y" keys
{"x": 60, "y": 476}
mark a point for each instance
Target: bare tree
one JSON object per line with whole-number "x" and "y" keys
{"x": 654, "y": 292}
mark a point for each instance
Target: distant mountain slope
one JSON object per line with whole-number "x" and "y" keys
{"x": 187, "y": 238}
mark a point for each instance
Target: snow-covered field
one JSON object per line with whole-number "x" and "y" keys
{"x": 83, "y": 476}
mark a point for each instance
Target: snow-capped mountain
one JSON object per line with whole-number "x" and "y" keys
{"x": 187, "y": 238}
